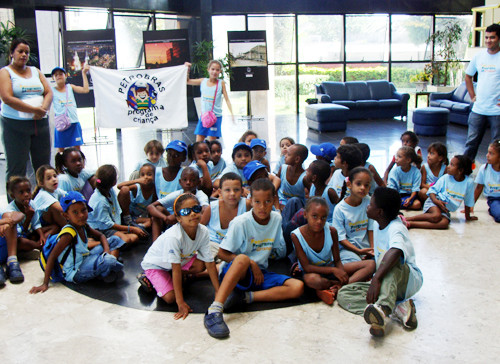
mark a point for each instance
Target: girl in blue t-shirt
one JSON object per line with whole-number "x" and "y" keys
{"x": 199, "y": 155}
{"x": 70, "y": 164}
{"x": 211, "y": 89}
{"x": 317, "y": 249}
{"x": 488, "y": 179}
{"x": 437, "y": 160}
{"x": 106, "y": 214}
{"x": 406, "y": 178}
{"x": 354, "y": 228}
{"x": 446, "y": 196}
{"x": 46, "y": 198}
{"x": 217, "y": 164}
{"x": 348, "y": 157}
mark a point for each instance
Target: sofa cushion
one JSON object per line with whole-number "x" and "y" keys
{"x": 347, "y": 103}
{"x": 390, "y": 102}
{"x": 459, "y": 93}
{"x": 461, "y": 107}
{"x": 357, "y": 90}
{"x": 336, "y": 90}
{"x": 435, "y": 103}
{"x": 367, "y": 104}
{"x": 379, "y": 90}
{"x": 446, "y": 103}
{"x": 319, "y": 89}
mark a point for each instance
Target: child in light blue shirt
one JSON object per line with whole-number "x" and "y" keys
{"x": 488, "y": 178}
{"x": 70, "y": 164}
{"x": 406, "y": 178}
{"x": 154, "y": 155}
{"x": 217, "y": 164}
{"x": 167, "y": 178}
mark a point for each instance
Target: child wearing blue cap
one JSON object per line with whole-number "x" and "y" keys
{"x": 64, "y": 104}
{"x": 259, "y": 148}
{"x": 256, "y": 170}
{"x": 85, "y": 264}
{"x": 325, "y": 152}
{"x": 167, "y": 178}
{"x": 242, "y": 154}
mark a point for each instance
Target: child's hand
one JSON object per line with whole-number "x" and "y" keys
{"x": 245, "y": 192}
{"x": 201, "y": 163}
{"x": 441, "y": 205}
{"x": 367, "y": 251}
{"x": 406, "y": 203}
{"x": 373, "y": 291}
{"x": 258, "y": 276}
{"x": 184, "y": 311}
{"x": 86, "y": 68}
{"x": 41, "y": 288}
{"x": 341, "y": 275}
{"x": 138, "y": 231}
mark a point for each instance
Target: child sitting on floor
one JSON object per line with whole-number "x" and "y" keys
{"x": 154, "y": 155}
{"x": 217, "y": 164}
{"x": 8, "y": 247}
{"x": 199, "y": 154}
{"x": 167, "y": 178}
{"x": 182, "y": 249}
{"x": 292, "y": 175}
{"x": 285, "y": 143}
{"x": 318, "y": 174}
{"x": 46, "y": 198}
{"x": 434, "y": 168}
{"x": 160, "y": 210}
{"x": 242, "y": 154}
{"x": 84, "y": 264}
{"x": 136, "y": 195}
{"x": 406, "y": 178}
{"x": 488, "y": 178}
{"x": 252, "y": 238}
{"x": 73, "y": 176}
{"x": 325, "y": 152}
{"x": 317, "y": 248}
{"x": 259, "y": 151}
{"x": 408, "y": 139}
{"x": 446, "y": 196}
{"x": 377, "y": 181}
{"x": 397, "y": 277}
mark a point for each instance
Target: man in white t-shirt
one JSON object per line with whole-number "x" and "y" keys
{"x": 486, "y": 97}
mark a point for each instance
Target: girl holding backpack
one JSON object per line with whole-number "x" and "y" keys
{"x": 212, "y": 89}
{"x": 68, "y": 131}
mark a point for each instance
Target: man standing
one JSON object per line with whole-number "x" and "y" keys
{"x": 486, "y": 98}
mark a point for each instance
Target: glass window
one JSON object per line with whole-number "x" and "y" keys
{"x": 320, "y": 38}
{"x": 280, "y": 34}
{"x": 129, "y": 41}
{"x": 49, "y": 41}
{"x": 314, "y": 74}
{"x": 79, "y": 19}
{"x": 282, "y": 81}
{"x": 465, "y": 23}
{"x": 409, "y": 37}
{"x": 366, "y": 71}
{"x": 6, "y": 15}
{"x": 401, "y": 73}
{"x": 367, "y": 37}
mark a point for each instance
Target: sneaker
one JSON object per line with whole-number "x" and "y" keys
{"x": 14, "y": 272}
{"x": 235, "y": 299}
{"x": 3, "y": 277}
{"x": 215, "y": 325}
{"x": 326, "y": 295}
{"x": 375, "y": 316}
{"x": 406, "y": 313}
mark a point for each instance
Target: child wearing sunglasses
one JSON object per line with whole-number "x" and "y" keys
{"x": 181, "y": 250}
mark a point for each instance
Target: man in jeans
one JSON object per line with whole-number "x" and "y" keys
{"x": 486, "y": 98}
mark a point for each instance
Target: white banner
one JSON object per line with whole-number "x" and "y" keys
{"x": 154, "y": 98}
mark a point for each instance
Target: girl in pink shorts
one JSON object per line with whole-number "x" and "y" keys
{"x": 182, "y": 249}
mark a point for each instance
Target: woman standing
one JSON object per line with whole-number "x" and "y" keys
{"x": 26, "y": 98}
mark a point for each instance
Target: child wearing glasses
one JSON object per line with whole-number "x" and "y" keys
{"x": 181, "y": 250}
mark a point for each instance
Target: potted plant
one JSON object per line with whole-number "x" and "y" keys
{"x": 421, "y": 79}
{"x": 445, "y": 43}
{"x": 9, "y": 32}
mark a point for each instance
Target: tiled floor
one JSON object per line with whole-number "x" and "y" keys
{"x": 456, "y": 307}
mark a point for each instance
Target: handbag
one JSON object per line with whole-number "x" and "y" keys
{"x": 62, "y": 122}
{"x": 208, "y": 118}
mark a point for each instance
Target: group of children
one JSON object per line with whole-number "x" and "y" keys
{"x": 225, "y": 221}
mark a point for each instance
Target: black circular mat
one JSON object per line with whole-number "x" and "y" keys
{"x": 199, "y": 294}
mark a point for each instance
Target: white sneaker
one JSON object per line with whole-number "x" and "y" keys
{"x": 375, "y": 316}
{"x": 406, "y": 313}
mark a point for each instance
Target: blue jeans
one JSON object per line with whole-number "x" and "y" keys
{"x": 97, "y": 264}
{"x": 494, "y": 210}
{"x": 477, "y": 127}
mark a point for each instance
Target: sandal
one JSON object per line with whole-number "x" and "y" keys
{"x": 145, "y": 282}
{"x": 404, "y": 221}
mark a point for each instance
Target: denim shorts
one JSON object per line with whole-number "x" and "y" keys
{"x": 271, "y": 280}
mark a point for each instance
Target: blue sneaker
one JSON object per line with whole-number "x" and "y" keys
{"x": 234, "y": 300}
{"x": 14, "y": 272}
{"x": 3, "y": 277}
{"x": 215, "y": 325}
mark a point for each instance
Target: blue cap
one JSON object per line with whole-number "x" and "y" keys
{"x": 251, "y": 168}
{"x": 73, "y": 197}
{"x": 57, "y": 69}
{"x": 242, "y": 145}
{"x": 258, "y": 142}
{"x": 177, "y": 145}
{"x": 325, "y": 150}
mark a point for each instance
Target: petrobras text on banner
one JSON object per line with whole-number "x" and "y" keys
{"x": 154, "y": 98}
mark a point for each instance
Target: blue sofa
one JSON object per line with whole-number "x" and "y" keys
{"x": 365, "y": 100}
{"x": 458, "y": 102}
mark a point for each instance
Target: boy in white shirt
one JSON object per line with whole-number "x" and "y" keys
{"x": 252, "y": 238}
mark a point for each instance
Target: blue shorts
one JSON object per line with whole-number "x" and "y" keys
{"x": 3, "y": 250}
{"x": 405, "y": 197}
{"x": 428, "y": 204}
{"x": 214, "y": 131}
{"x": 271, "y": 280}
{"x": 69, "y": 138}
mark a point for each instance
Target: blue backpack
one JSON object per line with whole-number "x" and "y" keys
{"x": 57, "y": 272}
